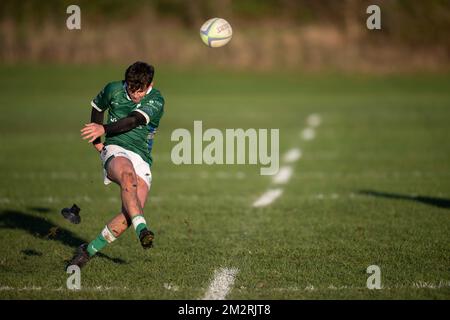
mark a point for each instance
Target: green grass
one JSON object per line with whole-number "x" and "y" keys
{"x": 385, "y": 135}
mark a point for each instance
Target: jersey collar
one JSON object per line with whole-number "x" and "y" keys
{"x": 126, "y": 92}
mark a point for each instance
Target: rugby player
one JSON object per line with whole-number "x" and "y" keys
{"x": 134, "y": 109}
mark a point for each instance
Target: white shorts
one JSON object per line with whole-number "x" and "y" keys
{"x": 141, "y": 167}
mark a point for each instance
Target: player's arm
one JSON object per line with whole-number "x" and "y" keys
{"x": 97, "y": 117}
{"x": 134, "y": 120}
{"x": 93, "y": 131}
{"x": 99, "y": 105}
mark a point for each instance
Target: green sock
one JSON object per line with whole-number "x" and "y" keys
{"x": 96, "y": 245}
{"x": 101, "y": 241}
{"x": 139, "y": 223}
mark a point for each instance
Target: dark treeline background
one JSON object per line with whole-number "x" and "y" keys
{"x": 303, "y": 34}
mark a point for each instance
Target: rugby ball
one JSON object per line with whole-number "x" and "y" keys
{"x": 216, "y": 32}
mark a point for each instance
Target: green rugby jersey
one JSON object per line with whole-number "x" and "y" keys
{"x": 115, "y": 99}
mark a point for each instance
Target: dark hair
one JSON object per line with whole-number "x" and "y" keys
{"x": 139, "y": 75}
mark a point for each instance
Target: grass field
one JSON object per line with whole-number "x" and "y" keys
{"x": 372, "y": 188}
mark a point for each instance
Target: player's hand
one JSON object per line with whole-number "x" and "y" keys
{"x": 92, "y": 131}
{"x": 99, "y": 146}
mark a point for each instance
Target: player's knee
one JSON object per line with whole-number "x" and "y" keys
{"x": 128, "y": 181}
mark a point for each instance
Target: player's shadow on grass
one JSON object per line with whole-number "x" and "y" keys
{"x": 40, "y": 209}
{"x": 43, "y": 229}
{"x": 432, "y": 201}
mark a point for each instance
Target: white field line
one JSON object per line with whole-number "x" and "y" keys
{"x": 283, "y": 175}
{"x": 221, "y": 174}
{"x": 285, "y": 172}
{"x": 292, "y": 155}
{"x": 221, "y": 284}
{"x": 34, "y": 288}
{"x": 414, "y": 285}
{"x": 268, "y": 197}
{"x": 170, "y": 286}
{"x": 308, "y": 134}
{"x": 243, "y": 198}
{"x": 429, "y": 285}
{"x": 289, "y": 157}
{"x": 313, "y": 120}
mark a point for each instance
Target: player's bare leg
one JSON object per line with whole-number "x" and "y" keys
{"x": 119, "y": 224}
{"x": 122, "y": 221}
{"x": 116, "y": 227}
{"x": 121, "y": 171}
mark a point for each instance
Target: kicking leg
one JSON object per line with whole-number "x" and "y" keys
{"x": 119, "y": 224}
